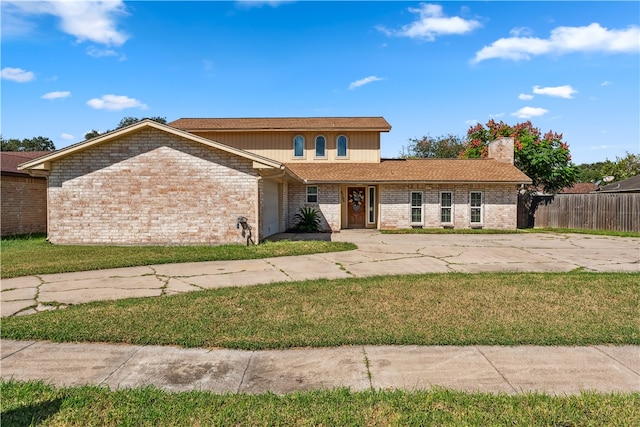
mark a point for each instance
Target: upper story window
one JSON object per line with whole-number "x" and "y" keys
{"x": 298, "y": 146}
{"x": 341, "y": 146}
{"x": 321, "y": 146}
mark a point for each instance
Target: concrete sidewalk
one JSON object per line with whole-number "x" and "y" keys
{"x": 377, "y": 254}
{"x": 552, "y": 370}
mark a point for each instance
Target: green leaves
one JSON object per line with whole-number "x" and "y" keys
{"x": 543, "y": 158}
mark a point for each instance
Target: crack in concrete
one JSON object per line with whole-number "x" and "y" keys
{"x": 497, "y": 370}
{"x": 246, "y": 368}
{"x": 616, "y": 360}
{"x": 367, "y": 365}
{"x": 119, "y": 367}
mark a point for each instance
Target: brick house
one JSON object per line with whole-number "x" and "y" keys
{"x": 23, "y": 198}
{"x": 187, "y": 182}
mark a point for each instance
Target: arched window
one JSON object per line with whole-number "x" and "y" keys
{"x": 298, "y": 146}
{"x": 321, "y": 146}
{"x": 341, "y": 146}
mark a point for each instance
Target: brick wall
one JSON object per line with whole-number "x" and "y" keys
{"x": 150, "y": 188}
{"x": 328, "y": 204}
{"x": 499, "y": 209}
{"x": 501, "y": 149}
{"x": 24, "y": 205}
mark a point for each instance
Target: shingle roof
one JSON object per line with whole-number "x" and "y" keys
{"x": 283, "y": 124}
{"x": 579, "y": 188}
{"x": 9, "y": 160}
{"x": 631, "y": 185}
{"x": 411, "y": 170}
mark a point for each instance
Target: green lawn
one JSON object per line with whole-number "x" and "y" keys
{"x": 29, "y": 255}
{"x": 432, "y": 309}
{"x": 33, "y": 403}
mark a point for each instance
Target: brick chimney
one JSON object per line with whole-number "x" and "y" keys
{"x": 502, "y": 150}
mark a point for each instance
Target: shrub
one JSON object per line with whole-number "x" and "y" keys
{"x": 308, "y": 220}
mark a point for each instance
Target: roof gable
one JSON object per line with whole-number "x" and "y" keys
{"x": 258, "y": 124}
{"x": 42, "y": 163}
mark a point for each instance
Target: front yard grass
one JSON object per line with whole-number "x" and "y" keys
{"x": 29, "y": 255}
{"x": 433, "y": 309}
{"x": 34, "y": 403}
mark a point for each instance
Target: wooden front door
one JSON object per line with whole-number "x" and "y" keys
{"x": 357, "y": 207}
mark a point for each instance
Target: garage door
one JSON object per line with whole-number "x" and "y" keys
{"x": 270, "y": 213}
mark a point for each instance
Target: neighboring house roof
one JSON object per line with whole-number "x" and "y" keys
{"x": 631, "y": 185}
{"x": 43, "y": 162}
{"x": 411, "y": 170}
{"x": 9, "y": 161}
{"x": 283, "y": 124}
{"x": 579, "y": 188}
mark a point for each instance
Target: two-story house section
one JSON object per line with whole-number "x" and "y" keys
{"x": 187, "y": 182}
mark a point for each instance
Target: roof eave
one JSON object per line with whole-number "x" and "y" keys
{"x": 413, "y": 181}
{"x": 42, "y": 163}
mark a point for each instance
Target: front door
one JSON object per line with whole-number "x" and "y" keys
{"x": 357, "y": 207}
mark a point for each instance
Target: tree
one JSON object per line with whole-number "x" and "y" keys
{"x": 443, "y": 147}
{"x": 623, "y": 168}
{"x": 39, "y": 143}
{"x": 543, "y": 158}
{"x": 620, "y": 169}
{"x": 126, "y": 121}
{"x": 92, "y": 134}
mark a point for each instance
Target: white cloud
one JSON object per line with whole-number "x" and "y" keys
{"x": 56, "y": 95}
{"x": 247, "y": 4}
{"x": 432, "y": 23}
{"x": 497, "y": 115}
{"x": 563, "y": 40}
{"x": 606, "y": 83}
{"x": 86, "y": 20}
{"x": 471, "y": 122}
{"x": 529, "y": 112}
{"x": 364, "y": 81}
{"x": 525, "y": 96}
{"x": 100, "y": 53}
{"x": 16, "y": 74}
{"x": 115, "y": 103}
{"x": 66, "y": 136}
{"x": 565, "y": 91}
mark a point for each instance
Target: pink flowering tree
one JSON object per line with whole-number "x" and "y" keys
{"x": 543, "y": 158}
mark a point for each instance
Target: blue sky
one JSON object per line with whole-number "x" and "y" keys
{"x": 430, "y": 68}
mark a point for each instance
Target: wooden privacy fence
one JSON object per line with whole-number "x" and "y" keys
{"x": 594, "y": 211}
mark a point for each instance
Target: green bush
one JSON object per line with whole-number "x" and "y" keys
{"x": 308, "y": 220}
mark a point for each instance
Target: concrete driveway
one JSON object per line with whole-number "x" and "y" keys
{"x": 377, "y": 254}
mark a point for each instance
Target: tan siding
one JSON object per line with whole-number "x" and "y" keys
{"x": 363, "y": 147}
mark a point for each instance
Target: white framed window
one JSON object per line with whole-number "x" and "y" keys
{"x": 342, "y": 146}
{"x": 416, "y": 208}
{"x": 446, "y": 207}
{"x": 475, "y": 202}
{"x": 321, "y": 146}
{"x": 312, "y": 194}
{"x": 298, "y": 146}
{"x": 371, "y": 205}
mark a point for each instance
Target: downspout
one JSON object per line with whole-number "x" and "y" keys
{"x": 257, "y": 210}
